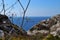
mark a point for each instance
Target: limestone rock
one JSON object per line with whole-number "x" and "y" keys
{"x": 51, "y": 25}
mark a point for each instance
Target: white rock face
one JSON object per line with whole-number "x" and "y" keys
{"x": 34, "y": 32}
{"x": 54, "y": 33}
{"x": 55, "y": 29}
{"x": 30, "y": 33}
{"x": 44, "y": 31}
{"x": 58, "y": 31}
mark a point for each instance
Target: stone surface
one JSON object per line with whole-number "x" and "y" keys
{"x": 49, "y": 26}
{"x": 10, "y": 28}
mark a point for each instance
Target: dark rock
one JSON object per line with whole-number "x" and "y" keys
{"x": 8, "y": 27}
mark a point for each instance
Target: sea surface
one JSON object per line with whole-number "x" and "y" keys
{"x": 29, "y": 22}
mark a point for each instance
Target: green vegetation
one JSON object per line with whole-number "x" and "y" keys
{"x": 37, "y": 37}
{"x": 51, "y": 37}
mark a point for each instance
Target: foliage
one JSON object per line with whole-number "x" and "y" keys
{"x": 37, "y": 37}
{"x": 51, "y": 37}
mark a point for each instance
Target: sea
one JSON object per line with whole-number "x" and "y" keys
{"x": 29, "y": 22}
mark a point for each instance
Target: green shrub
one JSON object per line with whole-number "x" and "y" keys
{"x": 49, "y": 37}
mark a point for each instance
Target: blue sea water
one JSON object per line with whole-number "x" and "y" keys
{"x": 28, "y": 21}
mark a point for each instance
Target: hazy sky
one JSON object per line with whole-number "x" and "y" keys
{"x": 36, "y": 7}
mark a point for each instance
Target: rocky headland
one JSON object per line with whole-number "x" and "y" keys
{"x": 45, "y": 27}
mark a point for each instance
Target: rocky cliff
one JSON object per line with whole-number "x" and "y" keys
{"x": 45, "y": 27}
{"x": 8, "y": 27}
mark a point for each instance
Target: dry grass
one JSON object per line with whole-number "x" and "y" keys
{"x": 26, "y": 38}
{"x": 38, "y": 37}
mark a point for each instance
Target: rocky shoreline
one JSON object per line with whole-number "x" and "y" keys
{"x": 45, "y": 27}
{"x": 42, "y": 29}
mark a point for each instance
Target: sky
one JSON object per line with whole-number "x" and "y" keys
{"x": 36, "y": 8}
